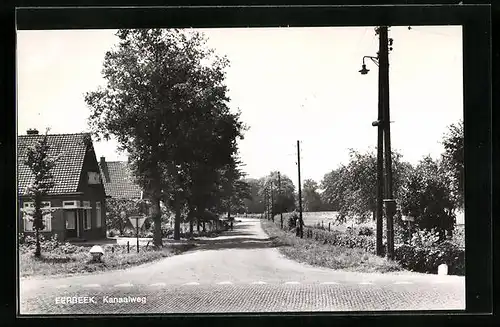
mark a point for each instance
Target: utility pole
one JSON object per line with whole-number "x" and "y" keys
{"x": 380, "y": 161}
{"x": 280, "y": 199}
{"x": 390, "y": 204}
{"x": 272, "y": 200}
{"x": 301, "y": 222}
{"x": 265, "y": 203}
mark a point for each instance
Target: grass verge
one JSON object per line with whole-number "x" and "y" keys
{"x": 79, "y": 260}
{"x": 326, "y": 255}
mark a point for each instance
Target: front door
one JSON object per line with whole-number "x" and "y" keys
{"x": 71, "y": 218}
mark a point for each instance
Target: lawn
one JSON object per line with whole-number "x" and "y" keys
{"x": 326, "y": 255}
{"x": 67, "y": 259}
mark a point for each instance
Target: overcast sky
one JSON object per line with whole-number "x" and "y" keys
{"x": 290, "y": 84}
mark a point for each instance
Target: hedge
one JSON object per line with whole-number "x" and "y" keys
{"x": 415, "y": 258}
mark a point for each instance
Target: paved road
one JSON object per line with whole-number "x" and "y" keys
{"x": 239, "y": 271}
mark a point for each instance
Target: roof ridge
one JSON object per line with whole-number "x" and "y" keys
{"x": 57, "y": 134}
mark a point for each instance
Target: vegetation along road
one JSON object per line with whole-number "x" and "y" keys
{"x": 239, "y": 271}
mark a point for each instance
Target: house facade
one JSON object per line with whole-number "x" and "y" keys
{"x": 78, "y": 196}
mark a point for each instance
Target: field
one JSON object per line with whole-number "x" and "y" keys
{"x": 325, "y": 217}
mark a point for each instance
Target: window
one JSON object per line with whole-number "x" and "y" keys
{"x": 94, "y": 177}
{"x": 28, "y": 221}
{"x": 87, "y": 215}
{"x": 70, "y": 204}
{"x": 98, "y": 214}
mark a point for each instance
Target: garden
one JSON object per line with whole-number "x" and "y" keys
{"x": 63, "y": 258}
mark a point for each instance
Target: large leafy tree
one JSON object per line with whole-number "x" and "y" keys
{"x": 118, "y": 210}
{"x": 255, "y": 203}
{"x": 351, "y": 188}
{"x": 40, "y": 164}
{"x": 284, "y": 202}
{"x": 234, "y": 189}
{"x": 453, "y": 161}
{"x": 312, "y": 198}
{"x": 165, "y": 102}
{"x": 334, "y": 188}
{"x": 428, "y": 198}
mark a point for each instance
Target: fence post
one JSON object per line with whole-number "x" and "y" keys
{"x": 128, "y": 246}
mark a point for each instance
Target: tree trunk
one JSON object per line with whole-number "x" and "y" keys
{"x": 177, "y": 222}
{"x": 191, "y": 215}
{"x": 198, "y": 225}
{"x": 121, "y": 226}
{"x": 204, "y": 229}
{"x": 156, "y": 215}
{"x": 38, "y": 250}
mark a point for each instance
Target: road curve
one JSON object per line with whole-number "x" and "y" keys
{"x": 244, "y": 260}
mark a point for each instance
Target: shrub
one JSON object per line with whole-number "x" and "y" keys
{"x": 292, "y": 220}
{"x": 365, "y": 231}
{"x": 346, "y": 239}
{"x": 458, "y": 237}
{"x": 425, "y": 238}
{"x": 427, "y": 259}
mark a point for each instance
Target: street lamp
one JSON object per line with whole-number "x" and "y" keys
{"x": 384, "y": 170}
{"x": 380, "y": 157}
{"x": 383, "y": 142}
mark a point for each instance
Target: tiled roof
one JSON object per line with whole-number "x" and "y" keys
{"x": 70, "y": 147}
{"x": 118, "y": 181}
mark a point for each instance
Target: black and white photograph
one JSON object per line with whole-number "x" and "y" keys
{"x": 240, "y": 170}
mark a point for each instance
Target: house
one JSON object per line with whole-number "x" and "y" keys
{"x": 119, "y": 184}
{"x": 78, "y": 194}
{"x": 118, "y": 181}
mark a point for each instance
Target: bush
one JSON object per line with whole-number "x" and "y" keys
{"x": 458, "y": 237}
{"x": 292, "y": 220}
{"x": 427, "y": 259}
{"x": 348, "y": 239}
{"x": 365, "y": 231}
{"x": 425, "y": 238}
{"x": 49, "y": 247}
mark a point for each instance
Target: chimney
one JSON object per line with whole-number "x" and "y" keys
{"x": 32, "y": 131}
{"x": 104, "y": 169}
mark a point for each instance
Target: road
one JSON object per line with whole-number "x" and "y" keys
{"x": 239, "y": 271}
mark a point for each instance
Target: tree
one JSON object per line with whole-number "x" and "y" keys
{"x": 335, "y": 188}
{"x": 165, "y": 102}
{"x": 115, "y": 207}
{"x": 312, "y": 199}
{"x": 40, "y": 165}
{"x": 453, "y": 161}
{"x": 428, "y": 198}
{"x": 351, "y": 189}
{"x": 286, "y": 202}
{"x": 255, "y": 203}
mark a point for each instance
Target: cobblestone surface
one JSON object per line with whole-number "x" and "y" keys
{"x": 252, "y": 298}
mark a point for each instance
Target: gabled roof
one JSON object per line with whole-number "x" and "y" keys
{"x": 118, "y": 181}
{"x": 71, "y": 149}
